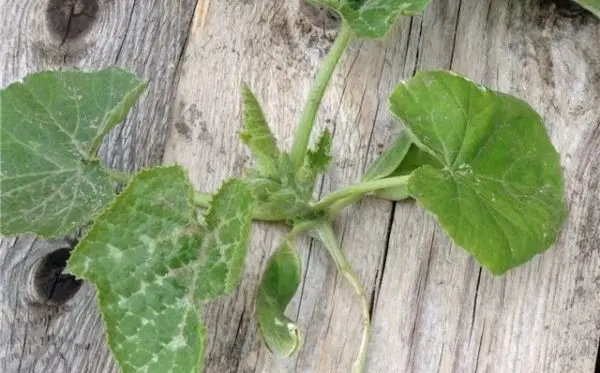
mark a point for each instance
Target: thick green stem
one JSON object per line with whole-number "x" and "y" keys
{"x": 315, "y": 97}
{"x": 349, "y": 195}
{"x": 326, "y": 235}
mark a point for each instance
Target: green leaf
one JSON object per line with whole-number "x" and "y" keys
{"x": 317, "y": 160}
{"x": 257, "y": 134}
{"x": 277, "y": 287}
{"x": 389, "y": 160}
{"x": 373, "y": 18}
{"x": 499, "y": 190}
{"x": 592, "y": 5}
{"x": 153, "y": 264}
{"x": 49, "y": 125}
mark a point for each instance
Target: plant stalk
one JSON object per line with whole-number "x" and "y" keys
{"x": 326, "y": 235}
{"x": 343, "y": 197}
{"x": 309, "y": 113}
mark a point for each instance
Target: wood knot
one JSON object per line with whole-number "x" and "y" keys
{"x": 320, "y": 16}
{"x": 52, "y": 286}
{"x": 70, "y": 19}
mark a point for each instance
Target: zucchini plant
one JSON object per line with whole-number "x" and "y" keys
{"x": 480, "y": 161}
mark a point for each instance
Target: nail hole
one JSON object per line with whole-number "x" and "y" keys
{"x": 52, "y": 285}
{"x": 70, "y": 19}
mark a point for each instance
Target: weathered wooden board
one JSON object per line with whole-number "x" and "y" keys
{"x": 434, "y": 310}
{"x": 147, "y": 37}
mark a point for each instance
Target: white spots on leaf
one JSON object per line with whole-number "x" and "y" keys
{"x": 177, "y": 343}
{"x": 114, "y": 253}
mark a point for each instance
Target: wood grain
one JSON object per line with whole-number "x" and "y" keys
{"x": 147, "y": 37}
{"x": 434, "y": 310}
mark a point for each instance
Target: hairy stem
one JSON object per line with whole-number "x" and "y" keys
{"x": 326, "y": 235}
{"x": 343, "y": 197}
{"x": 315, "y": 97}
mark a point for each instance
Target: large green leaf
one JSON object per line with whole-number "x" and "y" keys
{"x": 499, "y": 191}
{"x": 154, "y": 264}
{"x": 373, "y": 18}
{"x": 277, "y": 287}
{"x": 257, "y": 135}
{"x": 48, "y": 124}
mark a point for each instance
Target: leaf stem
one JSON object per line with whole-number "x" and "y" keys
{"x": 309, "y": 113}
{"x": 326, "y": 235}
{"x": 120, "y": 177}
{"x": 343, "y": 197}
{"x": 202, "y": 199}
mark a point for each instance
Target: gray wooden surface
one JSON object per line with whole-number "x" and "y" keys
{"x": 434, "y": 310}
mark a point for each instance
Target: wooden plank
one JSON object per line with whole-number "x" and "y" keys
{"x": 147, "y": 37}
{"x": 434, "y": 309}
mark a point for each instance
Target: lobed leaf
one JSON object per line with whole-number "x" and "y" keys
{"x": 278, "y": 285}
{"x": 373, "y": 18}
{"x": 48, "y": 124}
{"x": 317, "y": 160}
{"x": 495, "y": 184}
{"x": 257, "y": 135}
{"x": 153, "y": 264}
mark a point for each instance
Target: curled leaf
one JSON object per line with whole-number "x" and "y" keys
{"x": 494, "y": 180}
{"x": 277, "y": 287}
{"x": 389, "y": 160}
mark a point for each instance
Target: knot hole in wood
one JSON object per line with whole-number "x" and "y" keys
{"x": 320, "y": 16}
{"x": 50, "y": 284}
{"x": 68, "y": 20}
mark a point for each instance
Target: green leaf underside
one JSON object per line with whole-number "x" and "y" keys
{"x": 153, "y": 265}
{"x": 47, "y": 125}
{"x": 278, "y": 285}
{"x": 389, "y": 160}
{"x": 373, "y": 18}
{"x": 257, "y": 135}
{"x": 500, "y": 191}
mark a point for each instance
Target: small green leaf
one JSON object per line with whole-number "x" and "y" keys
{"x": 373, "y": 18}
{"x": 592, "y": 5}
{"x": 154, "y": 264}
{"x": 277, "y": 287}
{"x": 257, "y": 134}
{"x": 284, "y": 196}
{"x": 317, "y": 160}
{"x": 389, "y": 160}
{"x": 49, "y": 124}
{"x": 498, "y": 190}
